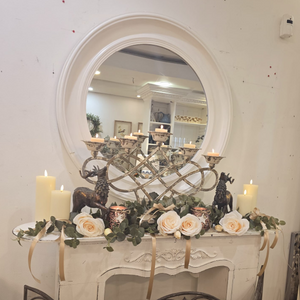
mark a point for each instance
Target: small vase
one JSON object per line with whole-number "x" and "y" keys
{"x": 203, "y": 214}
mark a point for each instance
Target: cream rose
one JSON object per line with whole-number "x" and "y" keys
{"x": 88, "y": 226}
{"x": 233, "y": 223}
{"x": 168, "y": 222}
{"x": 190, "y": 225}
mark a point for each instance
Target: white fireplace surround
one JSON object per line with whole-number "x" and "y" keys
{"x": 89, "y": 267}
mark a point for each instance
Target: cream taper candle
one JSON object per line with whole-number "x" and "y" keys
{"x": 44, "y": 186}
{"x": 244, "y": 203}
{"x": 252, "y": 190}
{"x": 60, "y": 204}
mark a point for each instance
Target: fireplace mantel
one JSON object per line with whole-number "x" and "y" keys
{"x": 89, "y": 267}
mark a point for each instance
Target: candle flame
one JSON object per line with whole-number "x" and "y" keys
{"x": 161, "y": 126}
{"x": 139, "y": 131}
{"x": 245, "y": 192}
{"x": 131, "y": 134}
{"x": 115, "y": 137}
{"x": 213, "y": 151}
{"x": 163, "y": 144}
{"x": 190, "y": 142}
{"x": 251, "y": 181}
{"x": 62, "y": 188}
{"x": 97, "y": 135}
{"x": 46, "y": 174}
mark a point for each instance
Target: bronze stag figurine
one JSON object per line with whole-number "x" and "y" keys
{"x": 83, "y": 196}
{"x": 223, "y": 198}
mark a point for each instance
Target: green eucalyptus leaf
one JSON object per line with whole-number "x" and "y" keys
{"x": 281, "y": 222}
{"x": 109, "y": 248}
{"x": 202, "y": 232}
{"x": 121, "y": 237}
{"x": 197, "y": 236}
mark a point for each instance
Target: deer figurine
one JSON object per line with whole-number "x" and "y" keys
{"x": 223, "y": 197}
{"x": 83, "y": 196}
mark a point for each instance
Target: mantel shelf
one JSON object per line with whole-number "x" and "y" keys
{"x": 160, "y": 123}
{"x": 52, "y": 237}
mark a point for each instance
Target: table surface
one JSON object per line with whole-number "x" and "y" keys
{"x": 55, "y": 234}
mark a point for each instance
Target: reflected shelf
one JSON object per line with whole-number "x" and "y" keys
{"x": 187, "y": 123}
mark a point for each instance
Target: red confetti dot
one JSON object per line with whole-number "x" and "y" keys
{"x": 274, "y": 73}
{"x": 73, "y": 31}
{"x": 63, "y": 1}
{"x": 270, "y": 67}
{"x": 268, "y": 75}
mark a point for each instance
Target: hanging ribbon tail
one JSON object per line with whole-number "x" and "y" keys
{"x": 62, "y": 254}
{"x": 151, "y": 279}
{"x": 187, "y": 253}
{"x": 266, "y": 243}
{"x": 32, "y": 246}
{"x": 275, "y": 239}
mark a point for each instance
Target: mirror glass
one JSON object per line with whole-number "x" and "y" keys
{"x": 141, "y": 88}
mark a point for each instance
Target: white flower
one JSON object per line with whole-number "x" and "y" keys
{"x": 234, "y": 224}
{"x": 190, "y": 225}
{"x": 107, "y": 231}
{"x": 168, "y": 223}
{"x": 88, "y": 226}
{"x": 177, "y": 235}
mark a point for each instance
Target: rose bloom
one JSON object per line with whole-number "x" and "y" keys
{"x": 168, "y": 222}
{"x": 190, "y": 225}
{"x": 88, "y": 226}
{"x": 233, "y": 223}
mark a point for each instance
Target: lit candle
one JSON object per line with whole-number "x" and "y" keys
{"x": 118, "y": 207}
{"x": 44, "y": 186}
{"x": 251, "y": 190}
{"x": 161, "y": 129}
{"x": 114, "y": 139}
{"x": 97, "y": 139}
{"x": 244, "y": 203}
{"x": 190, "y": 145}
{"x": 130, "y": 137}
{"x": 163, "y": 145}
{"x": 138, "y": 133}
{"x": 60, "y": 204}
{"x": 213, "y": 153}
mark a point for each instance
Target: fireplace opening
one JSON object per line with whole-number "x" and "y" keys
{"x": 213, "y": 281}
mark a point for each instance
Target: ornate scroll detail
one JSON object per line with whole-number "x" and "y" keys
{"x": 170, "y": 255}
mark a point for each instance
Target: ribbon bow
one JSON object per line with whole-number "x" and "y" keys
{"x": 159, "y": 207}
{"x": 254, "y": 214}
{"x": 61, "y": 239}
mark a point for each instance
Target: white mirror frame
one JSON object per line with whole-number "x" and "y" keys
{"x": 122, "y": 32}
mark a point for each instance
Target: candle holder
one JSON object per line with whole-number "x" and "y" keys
{"x": 212, "y": 160}
{"x": 190, "y": 152}
{"x": 202, "y": 213}
{"x": 128, "y": 157}
{"x": 160, "y": 137}
{"x": 94, "y": 147}
{"x": 116, "y": 215}
{"x": 128, "y": 143}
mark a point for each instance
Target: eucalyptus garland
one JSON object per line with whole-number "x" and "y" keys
{"x": 95, "y": 120}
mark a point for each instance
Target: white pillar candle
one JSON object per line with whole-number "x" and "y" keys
{"x": 60, "y": 204}
{"x": 244, "y": 203}
{"x": 190, "y": 145}
{"x": 97, "y": 139}
{"x": 130, "y": 137}
{"x": 138, "y": 133}
{"x": 44, "y": 186}
{"x": 252, "y": 191}
{"x": 213, "y": 153}
{"x": 161, "y": 129}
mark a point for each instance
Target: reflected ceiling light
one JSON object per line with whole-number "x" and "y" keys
{"x": 97, "y": 72}
{"x": 139, "y": 96}
{"x": 90, "y": 88}
{"x": 163, "y": 83}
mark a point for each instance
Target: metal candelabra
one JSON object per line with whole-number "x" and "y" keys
{"x": 127, "y": 156}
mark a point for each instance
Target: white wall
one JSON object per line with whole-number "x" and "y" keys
{"x": 263, "y": 71}
{"x": 111, "y": 107}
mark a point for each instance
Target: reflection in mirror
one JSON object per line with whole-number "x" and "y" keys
{"x": 143, "y": 87}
